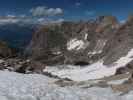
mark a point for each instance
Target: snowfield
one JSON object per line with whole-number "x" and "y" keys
{"x": 23, "y": 87}
{"x": 76, "y": 44}
{"x": 94, "y": 71}
{"x": 14, "y": 86}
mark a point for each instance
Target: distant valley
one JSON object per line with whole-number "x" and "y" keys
{"x": 16, "y": 35}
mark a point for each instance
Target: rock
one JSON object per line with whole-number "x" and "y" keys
{"x": 35, "y": 67}
{"x": 120, "y": 43}
{"x": 28, "y": 66}
{"x": 125, "y": 69}
{"x": 20, "y": 65}
{"x": 1, "y": 61}
{"x": 106, "y": 21}
{"x": 72, "y": 42}
{"x": 121, "y": 70}
{"x": 5, "y": 50}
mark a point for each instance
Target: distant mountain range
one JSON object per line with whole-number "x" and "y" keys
{"x": 15, "y": 34}
{"x": 17, "y": 31}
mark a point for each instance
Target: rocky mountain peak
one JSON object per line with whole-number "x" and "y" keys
{"x": 105, "y": 22}
{"x": 130, "y": 18}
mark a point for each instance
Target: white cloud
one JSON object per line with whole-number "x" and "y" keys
{"x": 22, "y": 16}
{"x": 44, "y": 11}
{"x": 90, "y": 13}
{"x": 122, "y": 21}
{"x": 48, "y": 21}
{"x": 37, "y": 17}
{"x": 77, "y": 3}
{"x": 60, "y": 20}
{"x": 24, "y": 19}
{"x": 41, "y": 19}
{"x": 11, "y": 16}
{"x": 8, "y": 20}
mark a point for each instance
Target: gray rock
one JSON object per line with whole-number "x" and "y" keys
{"x": 74, "y": 43}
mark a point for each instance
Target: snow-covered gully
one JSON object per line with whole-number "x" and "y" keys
{"x": 94, "y": 71}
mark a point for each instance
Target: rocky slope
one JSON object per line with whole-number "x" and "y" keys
{"x": 73, "y": 42}
{"x": 103, "y": 48}
{"x": 103, "y": 45}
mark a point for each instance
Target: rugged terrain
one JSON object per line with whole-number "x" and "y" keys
{"x": 102, "y": 46}
{"x": 74, "y": 42}
{"x": 86, "y": 60}
{"x": 14, "y": 86}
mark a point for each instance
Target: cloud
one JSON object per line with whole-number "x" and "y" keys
{"x": 41, "y": 19}
{"x": 59, "y": 20}
{"x": 11, "y": 16}
{"x": 25, "y": 20}
{"x": 77, "y": 3}
{"x": 37, "y": 17}
{"x": 22, "y": 16}
{"x": 44, "y": 11}
{"x": 122, "y": 21}
{"x": 90, "y": 13}
{"x": 48, "y": 21}
{"x": 8, "y": 20}
{"x": 13, "y": 19}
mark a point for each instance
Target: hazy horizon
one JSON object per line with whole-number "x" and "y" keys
{"x": 66, "y": 9}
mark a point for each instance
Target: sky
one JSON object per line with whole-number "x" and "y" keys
{"x": 67, "y": 9}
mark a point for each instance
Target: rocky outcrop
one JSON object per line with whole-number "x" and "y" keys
{"x": 24, "y": 66}
{"x": 5, "y": 50}
{"x": 83, "y": 42}
{"x": 121, "y": 43}
{"x": 73, "y": 42}
{"x": 125, "y": 69}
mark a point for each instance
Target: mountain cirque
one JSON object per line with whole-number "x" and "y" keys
{"x": 72, "y": 61}
{"x": 79, "y": 50}
{"x": 75, "y": 42}
{"x": 102, "y": 46}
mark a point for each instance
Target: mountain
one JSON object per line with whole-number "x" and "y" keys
{"x": 16, "y": 35}
{"x": 102, "y": 45}
{"x": 73, "y": 42}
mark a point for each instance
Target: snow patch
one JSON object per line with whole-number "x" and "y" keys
{"x": 93, "y": 71}
{"x": 95, "y": 52}
{"x": 57, "y": 53}
{"x": 1, "y": 61}
{"x": 117, "y": 82}
{"x": 76, "y": 44}
{"x": 125, "y": 60}
{"x": 98, "y": 48}
{"x": 86, "y": 35}
{"x": 23, "y": 87}
{"x": 14, "y": 86}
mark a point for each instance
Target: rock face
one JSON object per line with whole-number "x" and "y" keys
{"x": 73, "y": 42}
{"x": 121, "y": 43}
{"x": 81, "y": 43}
{"x": 5, "y": 50}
